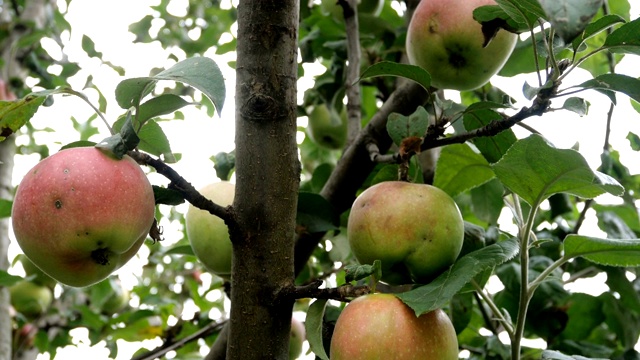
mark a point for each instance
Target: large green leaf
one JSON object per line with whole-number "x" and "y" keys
{"x": 625, "y": 39}
{"x": 606, "y": 83}
{"x": 14, "y": 114}
{"x": 313, "y": 327}
{"x": 570, "y": 17}
{"x": 200, "y": 72}
{"x": 315, "y": 213}
{"x": 595, "y": 28}
{"x": 535, "y": 170}
{"x": 523, "y": 11}
{"x": 401, "y": 127}
{"x": 437, "y": 293}
{"x": 610, "y": 252}
{"x": 460, "y": 168}
{"x": 480, "y": 114}
{"x": 388, "y": 68}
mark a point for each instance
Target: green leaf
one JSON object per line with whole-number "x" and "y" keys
{"x": 5, "y": 208}
{"x": 522, "y": 11}
{"x": 595, "y": 28}
{"x": 315, "y": 213}
{"x": 14, "y": 114}
{"x": 7, "y": 279}
{"x": 180, "y": 250}
{"x": 437, "y": 293}
{"x": 494, "y": 14}
{"x": 625, "y": 39}
{"x": 535, "y": 170}
{"x": 154, "y": 141}
{"x": 585, "y": 313}
{"x": 388, "y": 68}
{"x": 606, "y": 83}
{"x": 401, "y": 127}
{"x": 460, "y": 168}
{"x": 634, "y": 141}
{"x": 358, "y": 272}
{"x": 200, "y": 72}
{"x": 480, "y": 114}
{"x": 224, "y": 164}
{"x": 125, "y": 140}
{"x": 610, "y": 252}
{"x": 167, "y": 196}
{"x": 313, "y": 327}
{"x": 570, "y": 17}
{"x": 487, "y": 202}
{"x": 160, "y": 105}
{"x": 578, "y": 105}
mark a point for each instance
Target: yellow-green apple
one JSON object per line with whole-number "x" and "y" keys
{"x": 296, "y": 339}
{"x": 80, "y": 214}
{"x": 117, "y": 300}
{"x": 208, "y": 234}
{"x": 444, "y": 39}
{"x": 381, "y": 326}
{"x": 415, "y": 230}
{"x": 30, "y": 299}
{"x": 326, "y": 127}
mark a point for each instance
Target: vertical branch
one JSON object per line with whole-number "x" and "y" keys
{"x": 352, "y": 88}
{"x": 7, "y": 151}
{"x": 267, "y": 179}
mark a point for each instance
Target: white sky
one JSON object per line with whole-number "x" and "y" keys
{"x": 107, "y": 24}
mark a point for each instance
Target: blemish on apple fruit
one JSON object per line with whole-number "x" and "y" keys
{"x": 58, "y": 204}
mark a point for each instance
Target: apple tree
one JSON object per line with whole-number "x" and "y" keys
{"x": 333, "y": 98}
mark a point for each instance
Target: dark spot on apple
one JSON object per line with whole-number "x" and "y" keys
{"x": 101, "y": 256}
{"x": 456, "y": 57}
{"x": 66, "y": 171}
{"x": 58, "y": 204}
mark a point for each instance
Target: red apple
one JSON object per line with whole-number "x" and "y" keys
{"x": 415, "y": 230}
{"x": 208, "y": 234}
{"x": 80, "y": 214}
{"x": 297, "y": 338}
{"x": 444, "y": 39}
{"x": 381, "y": 326}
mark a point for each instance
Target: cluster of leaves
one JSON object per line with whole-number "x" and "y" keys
{"x": 477, "y": 173}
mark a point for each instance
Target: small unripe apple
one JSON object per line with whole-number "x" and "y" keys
{"x": 117, "y": 300}
{"x": 30, "y": 299}
{"x": 297, "y": 338}
{"x": 381, "y": 326}
{"x": 327, "y": 128}
{"x": 40, "y": 277}
{"x": 415, "y": 230}
{"x": 208, "y": 234}
{"x": 444, "y": 39}
{"x": 81, "y": 214}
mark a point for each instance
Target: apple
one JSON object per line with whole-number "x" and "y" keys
{"x": 80, "y": 214}
{"x": 297, "y": 338}
{"x": 381, "y": 326}
{"x": 30, "y": 299}
{"x": 415, "y": 230}
{"x": 117, "y": 300}
{"x": 32, "y": 270}
{"x": 326, "y": 127}
{"x": 331, "y": 7}
{"x": 444, "y": 39}
{"x": 208, "y": 234}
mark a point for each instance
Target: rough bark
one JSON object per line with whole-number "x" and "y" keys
{"x": 267, "y": 179}
{"x": 7, "y": 150}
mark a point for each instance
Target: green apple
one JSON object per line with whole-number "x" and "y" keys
{"x": 380, "y": 326}
{"x": 326, "y": 127}
{"x": 80, "y": 214}
{"x": 32, "y": 270}
{"x": 117, "y": 300}
{"x": 30, "y": 299}
{"x": 415, "y": 230}
{"x": 331, "y": 7}
{"x": 297, "y": 338}
{"x": 444, "y": 39}
{"x": 208, "y": 234}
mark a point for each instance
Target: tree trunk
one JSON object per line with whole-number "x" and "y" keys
{"x": 267, "y": 179}
{"x": 7, "y": 150}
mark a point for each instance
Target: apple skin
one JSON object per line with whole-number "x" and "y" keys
{"x": 416, "y": 230}
{"x": 297, "y": 338}
{"x": 327, "y": 128}
{"x": 444, "y": 39}
{"x": 40, "y": 277}
{"x": 80, "y": 214}
{"x": 30, "y": 299}
{"x": 208, "y": 234}
{"x": 381, "y": 326}
{"x": 117, "y": 301}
